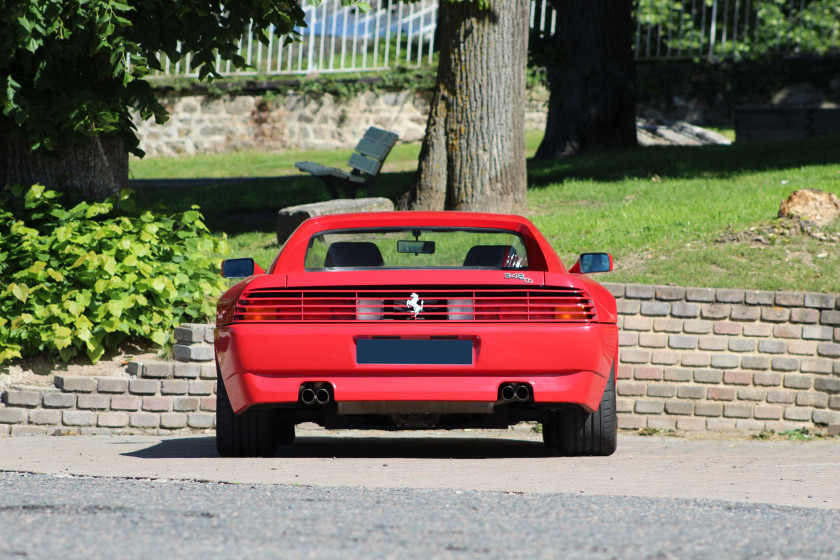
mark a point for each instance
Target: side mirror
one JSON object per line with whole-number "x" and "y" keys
{"x": 240, "y": 268}
{"x": 589, "y": 263}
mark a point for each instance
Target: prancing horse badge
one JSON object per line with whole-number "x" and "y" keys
{"x": 413, "y": 306}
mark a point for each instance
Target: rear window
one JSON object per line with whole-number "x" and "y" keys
{"x": 417, "y": 248}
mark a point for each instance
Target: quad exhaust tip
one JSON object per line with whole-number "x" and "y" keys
{"x": 315, "y": 393}
{"x": 515, "y": 392}
{"x": 307, "y": 396}
{"x": 322, "y": 396}
{"x": 508, "y": 393}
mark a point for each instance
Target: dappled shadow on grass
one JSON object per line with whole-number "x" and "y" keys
{"x": 686, "y": 162}
{"x": 250, "y": 205}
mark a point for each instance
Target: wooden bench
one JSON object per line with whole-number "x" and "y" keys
{"x": 774, "y": 123}
{"x": 366, "y": 161}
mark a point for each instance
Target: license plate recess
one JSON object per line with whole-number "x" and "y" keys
{"x": 414, "y": 352}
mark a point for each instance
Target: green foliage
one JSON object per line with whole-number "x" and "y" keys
{"x": 799, "y": 434}
{"x": 341, "y": 86}
{"x": 83, "y": 278}
{"x": 348, "y": 87}
{"x": 742, "y": 30}
{"x": 772, "y": 26}
{"x": 70, "y": 70}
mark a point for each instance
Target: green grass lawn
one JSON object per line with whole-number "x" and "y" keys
{"x": 669, "y": 215}
{"x": 258, "y": 164}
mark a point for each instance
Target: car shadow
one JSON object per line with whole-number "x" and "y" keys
{"x": 362, "y": 447}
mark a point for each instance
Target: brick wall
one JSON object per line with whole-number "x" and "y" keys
{"x": 155, "y": 397}
{"x": 689, "y": 358}
{"x": 723, "y": 359}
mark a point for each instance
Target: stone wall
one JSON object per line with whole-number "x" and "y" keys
{"x": 694, "y": 359}
{"x": 722, "y": 359}
{"x": 258, "y": 118}
{"x": 202, "y": 124}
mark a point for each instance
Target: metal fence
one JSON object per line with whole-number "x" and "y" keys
{"x": 343, "y": 39}
{"x": 732, "y": 29}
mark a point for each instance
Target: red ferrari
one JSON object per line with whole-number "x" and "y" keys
{"x": 416, "y": 320}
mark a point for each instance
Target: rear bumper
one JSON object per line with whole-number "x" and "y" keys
{"x": 265, "y": 363}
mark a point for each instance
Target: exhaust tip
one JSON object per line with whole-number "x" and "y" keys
{"x": 315, "y": 392}
{"x": 307, "y": 396}
{"x": 515, "y": 392}
{"x": 322, "y": 396}
{"x": 508, "y": 393}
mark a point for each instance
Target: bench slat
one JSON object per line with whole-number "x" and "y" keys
{"x": 381, "y": 136}
{"x": 365, "y": 164}
{"x": 312, "y": 167}
{"x": 373, "y": 149}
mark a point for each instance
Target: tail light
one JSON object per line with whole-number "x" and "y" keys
{"x": 559, "y": 309}
{"x": 490, "y": 309}
{"x": 330, "y": 309}
{"x": 266, "y": 310}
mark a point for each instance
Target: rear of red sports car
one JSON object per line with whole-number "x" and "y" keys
{"x": 408, "y": 320}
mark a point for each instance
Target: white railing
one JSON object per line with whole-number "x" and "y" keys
{"x": 393, "y": 33}
{"x": 336, "y": 39}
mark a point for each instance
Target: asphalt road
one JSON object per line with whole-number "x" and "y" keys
{"x": 418, "y": 495}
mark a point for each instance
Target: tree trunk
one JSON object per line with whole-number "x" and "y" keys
{"x": 95, "y": 171}
{"x": 592, "y": 78}
{"x": 473, "y": 155}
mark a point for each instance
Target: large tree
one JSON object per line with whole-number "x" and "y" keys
{"x": 473, "y": 154}
{"x": 71, "y": 73}
{"x": 591, "y": 76}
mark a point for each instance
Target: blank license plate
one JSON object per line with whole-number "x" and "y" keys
{"x": 414, "y": 352}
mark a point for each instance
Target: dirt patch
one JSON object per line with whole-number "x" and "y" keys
{"x": 780, "y": 230}
{"x": 799, "y": 435}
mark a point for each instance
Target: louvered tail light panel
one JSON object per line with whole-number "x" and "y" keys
{"x": 433, "y": 304}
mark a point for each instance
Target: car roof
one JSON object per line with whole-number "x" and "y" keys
{"x": 292, "y": 254}
{"x": 413, "y": 218}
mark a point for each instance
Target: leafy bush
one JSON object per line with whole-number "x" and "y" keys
{"x": 87, "y": 277}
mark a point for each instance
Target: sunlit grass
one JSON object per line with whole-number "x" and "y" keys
{"x": 254, "y": 163}
{"x": 666, "y": 214}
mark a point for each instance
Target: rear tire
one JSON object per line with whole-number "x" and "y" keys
{"x": 580, "y": 433}
{"x": 250, "y": 434}
{"x": 224, "y": 419}
{"x": 549, "y": 431}
{"x": 284, "y": 431}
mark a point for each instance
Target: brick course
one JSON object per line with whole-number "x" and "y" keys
{"x": 29, "y": 399}
{"x": 45, "y": 416}
{"x": 112, "y": 385}
{"x": 59, "y": 400}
